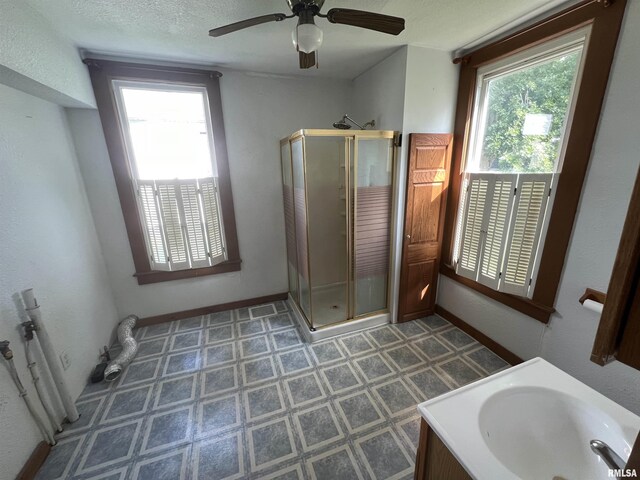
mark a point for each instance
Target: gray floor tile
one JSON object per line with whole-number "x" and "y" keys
{"x": 254, "y": 346}
{"x": 294, "y": 361}
{"x": 374, "y": 367}
{"x": 110, "y": 445}
{"x": 60, "y": 459}
{"x": 356, "y": 344}
{"x": 340, "y": 377}
{"x": 317, "y": 426}
{"x": 250, "y": 327}
{"x": 359, "y": 411}
{"x": 182, "y": 362}
{"x": 457, "y": 338}
{"x": 219, "y": 380}
{"x": 432, "y": 348}
{"x": 218, "y": 318}
{"x": 174, "y": 391}
{"x": 327, "y": 352}
{"x": 286, "y": 339}
{"x": 190, "y": 323}
{"x": 428, "y": 383}
{"x": 404, "y": 358}
{"x": 304, "y": 389}
{"x": 166, "y": 466}
{"x": 150, "y": 348}
{"x": 337, "y": 464}
{"x": 219, "y": 414}
{"x": 271, "y": 443}
{"x": 282, "y": 320}
{"x": 383, "y": 336}
{"x": 219, "y": 334}
{"x": 219, "y": 458}
{"x": 126, "y": 403}
{"x": 459, "y": 372}
{"x": 157, "y": 330}
{"x": 258, "y": 370}
{"x": 383, "y": 455}
{"x": 487, "y": 360}
{"x": 395, "y": 397}
{"x": 262, "y": 311}
{"x": 434, "y": 322}
{"x": 167, "y": 429}
{"x": 182, "y": 341}
{"x": 219, "y": 354}
{"x": 409, "y": 329}
{"x": 264, "y": 401}
{"x": 140, "y": 371}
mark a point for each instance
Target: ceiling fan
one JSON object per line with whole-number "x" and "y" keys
{"x": 307, "y": 37}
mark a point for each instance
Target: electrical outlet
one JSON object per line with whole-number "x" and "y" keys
{"x": 65, "y": 360}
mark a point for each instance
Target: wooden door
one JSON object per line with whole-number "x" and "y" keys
{"x": 427, "y": 180}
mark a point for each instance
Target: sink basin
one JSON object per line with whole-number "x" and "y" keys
{"x": 531, "y": 422}
{"x": 522, "y": 425}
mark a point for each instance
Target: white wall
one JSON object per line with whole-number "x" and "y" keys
{"x": 378, "y": 93}
{"x": 39, "y": 60}
{"x": 48, "y": 242}
{"x": 258, "y": 111}
{"x": 568, "y": 339}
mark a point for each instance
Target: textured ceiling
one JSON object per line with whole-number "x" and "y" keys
{"x": 177, "y": 30}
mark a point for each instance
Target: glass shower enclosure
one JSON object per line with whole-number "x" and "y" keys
{"x": 337, "y": 188}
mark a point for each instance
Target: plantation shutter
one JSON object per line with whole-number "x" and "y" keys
{"x": 213, "y": 220}
{"x": 192, "y": 221}
{"x": 152, "y": 225}
{"x": 497, "y": 216}
{"x": 525, "y": 229}
{"x": 170, "y": 211}
{"x": 472, "y": 225}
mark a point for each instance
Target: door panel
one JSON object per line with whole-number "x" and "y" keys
{"x": 427, "y": 181}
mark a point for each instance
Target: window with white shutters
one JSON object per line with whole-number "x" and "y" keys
{"x": 515, "y": 145}
{"x": 169, "y": 142}
{"x": 500, "y": 227}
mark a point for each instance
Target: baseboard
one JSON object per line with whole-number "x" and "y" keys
{"x": 492, "y": 345}
{"x": 35, "y": 461}
{"x": 196, "y": 312}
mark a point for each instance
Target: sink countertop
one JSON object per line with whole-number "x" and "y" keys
{"x": 465, "y": 418}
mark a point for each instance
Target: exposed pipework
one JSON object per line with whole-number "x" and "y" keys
{"x": 129, "y": 349}
{"x": 29, "y": 328}
{"x": 8, "y": 356}
{"x": 33, "y": 311}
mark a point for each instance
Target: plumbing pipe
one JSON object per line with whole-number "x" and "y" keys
{"x": 129, "y": 349}
{"x": 33, "y": 368}
{"x": 8, "y": 356}
{"x": 33, "y": 310}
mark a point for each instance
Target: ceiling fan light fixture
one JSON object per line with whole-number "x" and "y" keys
{"x": 307, "y": 37}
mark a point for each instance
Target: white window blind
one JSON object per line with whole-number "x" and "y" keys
{"x": 182, "y": 222}
{"x": 499, "y": 228}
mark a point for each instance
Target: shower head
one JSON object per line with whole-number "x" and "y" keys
{"x": 343, "y": 125}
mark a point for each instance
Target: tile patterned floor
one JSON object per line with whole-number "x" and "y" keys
{"x": 239, "y": 394}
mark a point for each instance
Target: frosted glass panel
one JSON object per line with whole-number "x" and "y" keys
{"x": 289, "y": 219}
{"x": 327, "y": 207}
{"x": 301, "y": 226}
{"x": 372, "y": 224}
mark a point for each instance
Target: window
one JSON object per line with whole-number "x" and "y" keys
{"x": 517, "y": 138}
{"x": 165, "y": 137}
{"x": 527, "y": 113}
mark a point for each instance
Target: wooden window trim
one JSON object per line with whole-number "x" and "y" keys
{"x": 616, "y": 321}
{"x": 103, "y": 72}
{"x": 605, "y": 18}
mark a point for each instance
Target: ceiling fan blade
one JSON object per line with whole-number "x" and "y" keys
{"x": 307, "y": 60}
{"x": 368, "y": 20}
{"x": 233, "y": 27}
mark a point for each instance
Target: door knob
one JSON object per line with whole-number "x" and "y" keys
{"x": 408, "y": 237}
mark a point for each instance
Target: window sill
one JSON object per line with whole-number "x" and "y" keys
{"x": 537, "y": 311}
{"x": 156, "y": 276}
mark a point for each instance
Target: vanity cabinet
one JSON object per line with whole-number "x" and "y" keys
{"x": 434, "y": 461}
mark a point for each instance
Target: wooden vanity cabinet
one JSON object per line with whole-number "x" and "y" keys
{"x": 434, "y": 461}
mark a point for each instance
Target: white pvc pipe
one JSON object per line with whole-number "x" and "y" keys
{"x": 33, "y": 368}
{"x": 46, "y": 432}
{"x": 33, "y": 310}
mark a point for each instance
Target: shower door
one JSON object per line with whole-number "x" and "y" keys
{"x": 372, "y": 186}
{"x": 329, "y": 227}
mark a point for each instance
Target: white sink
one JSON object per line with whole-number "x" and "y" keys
{"x": 532, "y": 421}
